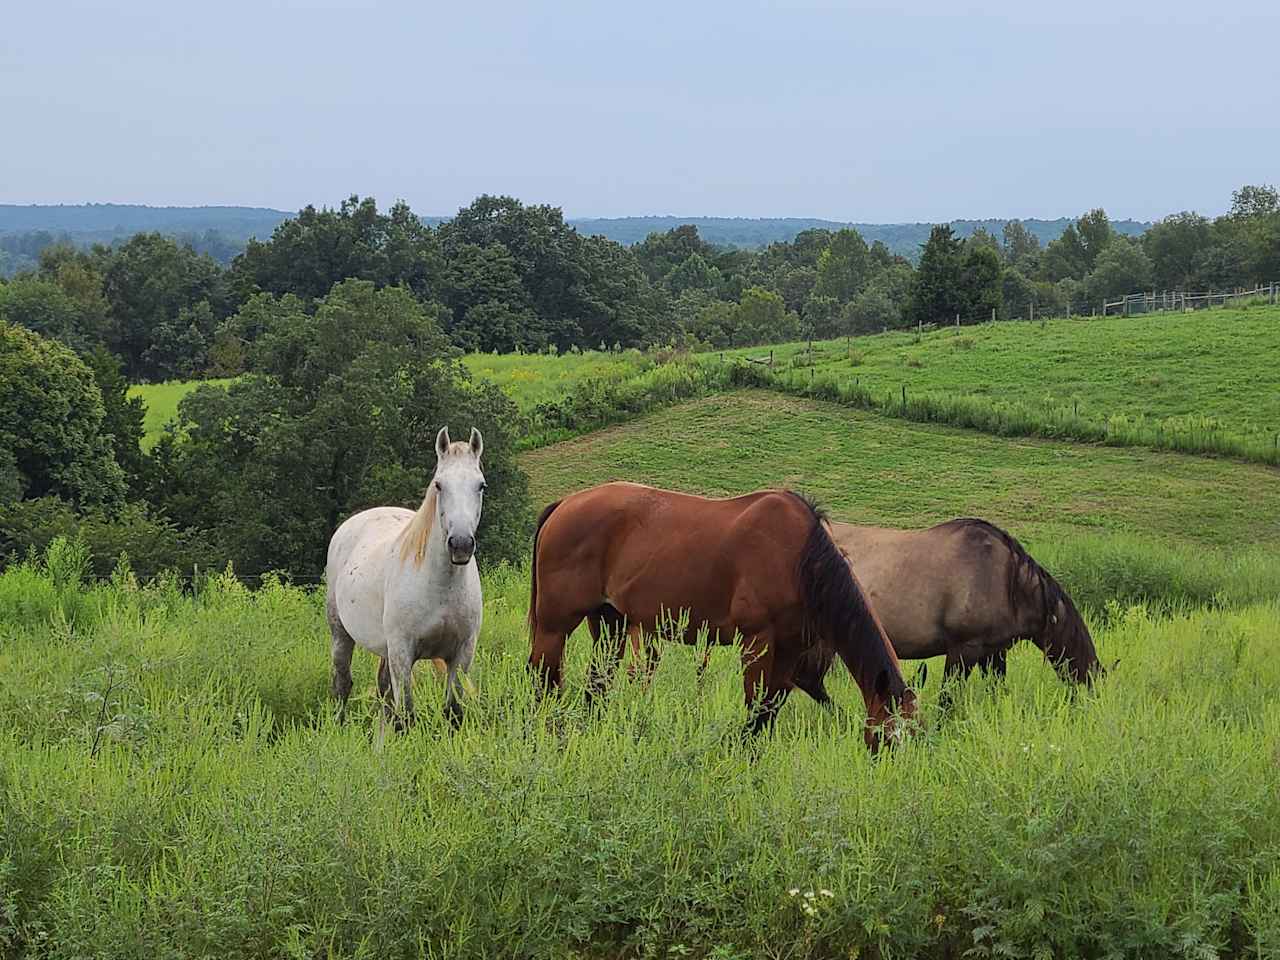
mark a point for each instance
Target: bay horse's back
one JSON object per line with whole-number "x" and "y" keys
{"x": 643, "y": 550}
{"x": 760, "y": 566}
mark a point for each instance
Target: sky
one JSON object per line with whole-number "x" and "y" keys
{"x": 871, "y": 112}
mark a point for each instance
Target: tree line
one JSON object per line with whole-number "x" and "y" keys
{"x": 343, "y": 331}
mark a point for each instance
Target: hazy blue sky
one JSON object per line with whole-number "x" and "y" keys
{"x": 872, "y": 112}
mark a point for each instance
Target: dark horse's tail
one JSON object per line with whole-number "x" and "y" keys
{"x": 841, "y": 618}
{"x": 533, "y": 565}
{"x": 1064, "y": 637}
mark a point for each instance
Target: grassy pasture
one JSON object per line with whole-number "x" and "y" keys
{"x": 1220, "y": 364}
{"x": 172, "y": 782}
{"x": 872, "y": 469}
{"x": 532, "y": 378}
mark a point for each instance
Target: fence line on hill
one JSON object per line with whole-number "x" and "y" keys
{"x": 1181, "y": 301}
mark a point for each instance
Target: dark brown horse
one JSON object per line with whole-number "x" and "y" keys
{"x": 762, "y": 566}
{"x": 973, "y": 591}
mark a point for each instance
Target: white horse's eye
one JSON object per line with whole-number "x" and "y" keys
{"x": 483, "y": 487}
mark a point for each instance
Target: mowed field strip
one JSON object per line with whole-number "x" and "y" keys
{"x": 871, "y": 469}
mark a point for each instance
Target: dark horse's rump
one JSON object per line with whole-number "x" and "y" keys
{"x": 762, "y": 566}
{"x": 965, "y": 588}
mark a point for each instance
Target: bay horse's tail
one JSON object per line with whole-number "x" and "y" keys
{"x": 533, "y": 566}
{"x": 841, "y": 618}
{"x": 1064, "y": 637}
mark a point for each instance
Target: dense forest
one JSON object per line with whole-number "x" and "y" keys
{"x": 222, "y": 232}
{"x": 343, "y": 331}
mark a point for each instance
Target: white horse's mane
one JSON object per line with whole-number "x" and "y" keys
{"x": 413, "y": 539}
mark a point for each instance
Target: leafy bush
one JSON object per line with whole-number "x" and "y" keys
{"x": 152, "y": 544}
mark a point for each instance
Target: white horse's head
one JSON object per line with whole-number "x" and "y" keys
{"x": 458, "y": 486}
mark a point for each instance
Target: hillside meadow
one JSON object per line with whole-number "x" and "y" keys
{"x": 1221, "y": 365}
{"x": 173, "y": 782}
{"x": 1201, "y": 382}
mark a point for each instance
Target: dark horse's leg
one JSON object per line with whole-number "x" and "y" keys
{"x": 995, "y": 663}
{"x": 954, "y": 669}
{"x": 609, "y": 638}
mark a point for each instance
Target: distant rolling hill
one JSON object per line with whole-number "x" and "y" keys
{"x": 225, "y": 230}
{"x": 901, "y": 238}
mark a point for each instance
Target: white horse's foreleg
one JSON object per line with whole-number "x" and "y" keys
{"x": 400, "y": 665}
{"x": 453, "y": 684}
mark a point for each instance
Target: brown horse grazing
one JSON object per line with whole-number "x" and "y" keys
{"x": 974, "y": 591}
{"x": 762, "y": 566}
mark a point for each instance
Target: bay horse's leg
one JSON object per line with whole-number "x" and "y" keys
{"x": 766, "y": 681}
{"x": 341, "y": 646}
{"x": 607, "y": 649}
{"x": 546, "y": 659}
{"x": 810, "y": 671}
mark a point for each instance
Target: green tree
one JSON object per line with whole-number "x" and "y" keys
{"x": 762, "y": 317}
{"x": 1123, "y": 268}
{"x": 981, "y": 237}
{"x": 693, "y": 274}
{"x": 147, "y": 283}
{"x": 870, "y": 312}
{"x": 1018, "y": 293}
{"x": 1020, "y": 244}
{"x": 44, "y": 307}
{"x": 339, "y": 413}
{"x": 939, "y": 290}
{"x": 123, "y": 417}
{"x": 844, "y": 267}
{"x": 311, "y": 252}
{"x": 982, "y": 291}
{"x": 51, "y": 419}
{"x": 1177, "y": 247}
{"x": 1076, "y": 252}
{"x": 489, "y": 306}
{"x": 1250, "y": 202}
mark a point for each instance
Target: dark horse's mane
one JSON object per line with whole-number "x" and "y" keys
{"x": 838, "y": 611}
{"x": 1066, "y": 639}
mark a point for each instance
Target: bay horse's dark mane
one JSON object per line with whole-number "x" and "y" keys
{"x": 838, "y": 611}
{"x": 1069, "y": 636}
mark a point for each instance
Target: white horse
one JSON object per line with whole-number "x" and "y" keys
{"x": 404, "y": 584}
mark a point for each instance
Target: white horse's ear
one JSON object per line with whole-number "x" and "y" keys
{"x": 477, "y": 443}
{"x": 442, "y": 442}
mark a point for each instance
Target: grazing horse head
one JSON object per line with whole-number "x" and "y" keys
{"x": 458, "y": 489}
{"x": 1065, "y": 638}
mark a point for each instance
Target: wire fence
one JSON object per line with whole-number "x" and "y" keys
{"x": 1182, "y": 301}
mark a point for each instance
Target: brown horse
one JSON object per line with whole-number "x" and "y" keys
{"x": 762, "y": 566}
{"x": 974, "y": 591}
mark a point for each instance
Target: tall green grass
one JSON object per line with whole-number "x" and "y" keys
{"x": 173, "y": 782}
